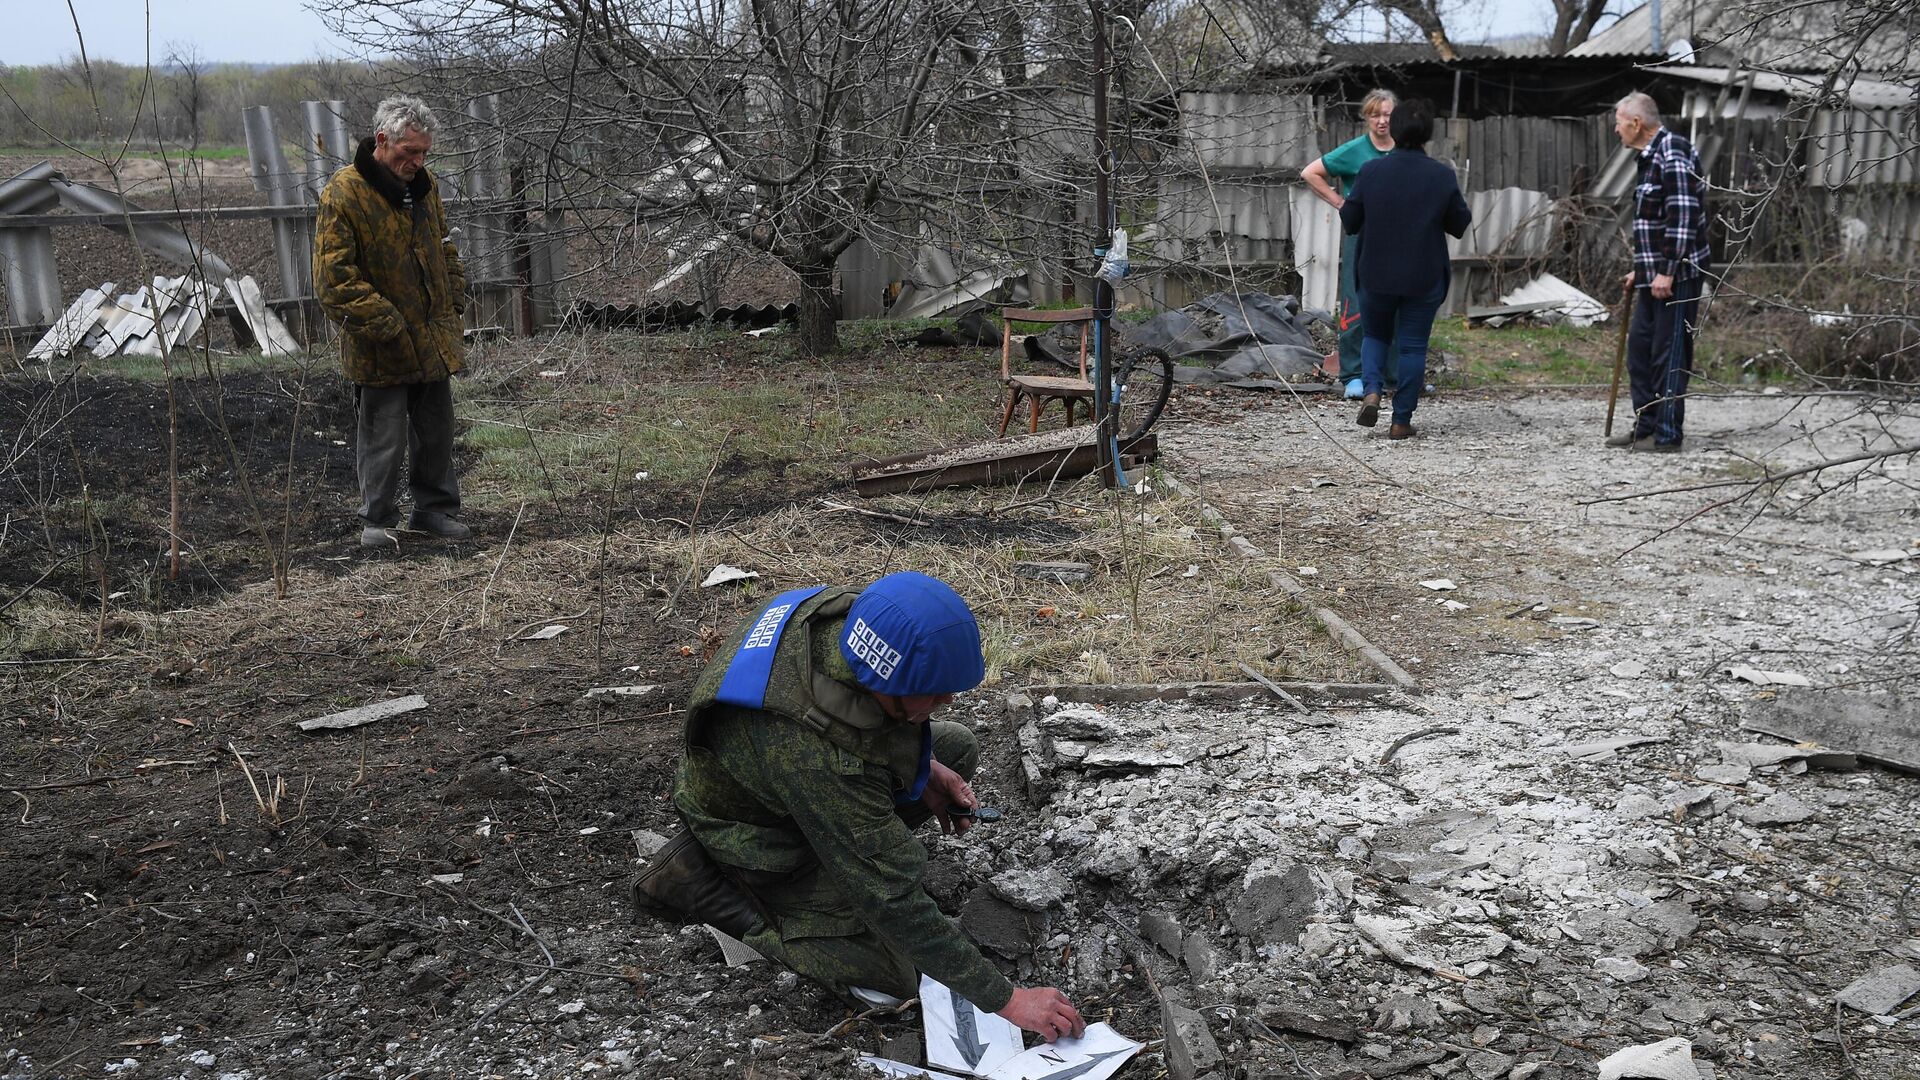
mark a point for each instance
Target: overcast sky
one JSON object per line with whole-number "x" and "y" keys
{"x": 282, "y": 31}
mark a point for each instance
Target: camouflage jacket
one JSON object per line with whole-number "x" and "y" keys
{"x": 804, "y": 787}
{"x": 385, "y": 271}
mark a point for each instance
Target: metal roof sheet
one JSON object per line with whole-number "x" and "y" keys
{"x": 1813, "y": 35}
{"x": 1250, "y": 131}
{"x": 1862, "y": 93}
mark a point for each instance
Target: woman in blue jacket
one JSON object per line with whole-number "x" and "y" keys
{"x": 1399, "y": 207}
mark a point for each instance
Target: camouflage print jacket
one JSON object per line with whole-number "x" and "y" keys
{"x": 803, "y": 789}
{"x": 386, "y": 272}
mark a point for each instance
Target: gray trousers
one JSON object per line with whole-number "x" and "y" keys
{"x": 398, "y": 422}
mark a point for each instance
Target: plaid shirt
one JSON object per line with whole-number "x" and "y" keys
{"x": 1669, "y": 211}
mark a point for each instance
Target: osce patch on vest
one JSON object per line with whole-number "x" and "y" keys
{"x": 745, "y": 683}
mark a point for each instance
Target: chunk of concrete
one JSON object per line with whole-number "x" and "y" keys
{"x": 1406, "y": 1012}
{"x": 1190, "y": 1049}
{"x": 1671, "y": 920}
{"x": 997, "y": 925}
{"x": 1203, "y": 961}
{"x": 1031, "y": 889}
{"x": 1274, "y": 908}
{"x": 1620, "y": 968}
{"x": 1164, "y": 931}
{"x": 1083, "y": 722}
{"x": 1332, "y": 1029}
{"x": 1878, "y": 993}
{"x": 1668, "y": 1059}
{"x": 1779, "y": 808}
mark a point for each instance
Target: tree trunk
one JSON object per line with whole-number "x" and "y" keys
{"x": 819, "y": 307}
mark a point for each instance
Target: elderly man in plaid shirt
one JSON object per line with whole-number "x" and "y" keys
{"x": 1670, "y": 259}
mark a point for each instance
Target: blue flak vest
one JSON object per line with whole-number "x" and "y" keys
{"x": 745, "y": 682}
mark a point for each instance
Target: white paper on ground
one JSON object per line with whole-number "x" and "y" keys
{"x": 723, "y": 574}
{"x": 889, "y": 1067}
{"x": 1668, "y": 1059}
{"x": 961, "y": 1035}
{"x": 1095, "y": 1056}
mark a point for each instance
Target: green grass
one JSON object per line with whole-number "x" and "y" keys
{"x": 680, "y": 406}
{"x": 1522, "y": 354}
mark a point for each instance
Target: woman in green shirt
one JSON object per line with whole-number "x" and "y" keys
{"x": 1343, "y": 162}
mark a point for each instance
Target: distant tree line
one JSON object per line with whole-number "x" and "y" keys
{"x": 184, "y": 102}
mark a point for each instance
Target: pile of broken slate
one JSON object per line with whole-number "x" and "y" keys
{"x": 1495, "y": 904}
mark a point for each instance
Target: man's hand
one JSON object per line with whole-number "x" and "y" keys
{"x": 1627, "y": 282}
{"x": 1046, "y": 1012}
{"x": 946, "y": 791}
{"x": 1663, "y": 286}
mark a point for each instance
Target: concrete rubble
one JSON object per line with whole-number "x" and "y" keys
{"x": 1474, "y": 910}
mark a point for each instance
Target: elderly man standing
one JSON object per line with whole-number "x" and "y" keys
{"x": 387, "y": 273}
{"x": 1670, "y": 259}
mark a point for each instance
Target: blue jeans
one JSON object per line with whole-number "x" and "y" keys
{"x": 1406, "y": 322}
{"x": 1660, "y": 360}
{"x": 1348, "y": 316}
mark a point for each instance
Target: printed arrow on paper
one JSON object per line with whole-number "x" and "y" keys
{"x": 966, "y": 1033}
{"x": 1084, "y": 1067}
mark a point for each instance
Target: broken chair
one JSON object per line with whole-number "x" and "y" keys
{"x": 1038, "y": 389}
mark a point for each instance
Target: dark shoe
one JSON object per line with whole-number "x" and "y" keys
{"x": 1647, "y": 445}
{"x": 1369, "y": 411}
{"x": 439, "y": 525}
{"x": 1624, "y": 439}
{"x": 1401, "y": 431}
{"x": 374, "y": 536}
{"x": 681, "y": 883}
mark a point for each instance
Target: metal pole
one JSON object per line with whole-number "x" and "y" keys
{"x": 1104, "y": 413}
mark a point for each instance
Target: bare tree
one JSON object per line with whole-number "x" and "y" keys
{"x": 1573, "y": 22}
{"x": 794, "y": 127}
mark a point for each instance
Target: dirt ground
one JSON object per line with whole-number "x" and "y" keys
{"x": 195, "y": 888}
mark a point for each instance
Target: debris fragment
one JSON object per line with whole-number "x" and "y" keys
{"x": 607, "y": 695}
{"x": 1668, "y": 1059}
{"x": 1768, "y": 678}
{"x": 1061, "y": 573}
{"x": 546, "y": 633}
{"x": 737, "y": 953}
{"x": 365, "y": 714}
{"x": 1884, "y": 556}
{"x": 1779, "y": 808}
{"x": 1878, "y": 993}
{"x": 1606, "y": 748}
{"x": 1440, "y": 584}
{"x": 724, "y": 574}
{"x": 1381, "y": 933}
{"x": 1629, "y": 669}
{"x": 1876, "y": 727}
{"x": 1191, "y": 1049}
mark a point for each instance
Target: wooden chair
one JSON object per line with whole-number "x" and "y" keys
{"x": 1037, "y": 389}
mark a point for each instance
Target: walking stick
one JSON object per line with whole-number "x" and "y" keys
{"x": 1619, "y": 356}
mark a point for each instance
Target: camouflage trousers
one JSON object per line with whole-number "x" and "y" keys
{"x": 859, "y": 957}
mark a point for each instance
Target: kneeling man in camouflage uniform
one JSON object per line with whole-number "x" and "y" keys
{"x": 810, "y": 756}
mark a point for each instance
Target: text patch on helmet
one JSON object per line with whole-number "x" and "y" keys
{"x": 767, "y": 630}
{"x": 872, "y": 650}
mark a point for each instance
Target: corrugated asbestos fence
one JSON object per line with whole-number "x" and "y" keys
{"x": 1515, "y": 170}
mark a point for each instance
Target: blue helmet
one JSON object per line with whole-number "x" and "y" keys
{"x": 908, "y": 635}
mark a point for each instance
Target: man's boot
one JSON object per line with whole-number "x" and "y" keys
{"x": 681, "y": 883}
